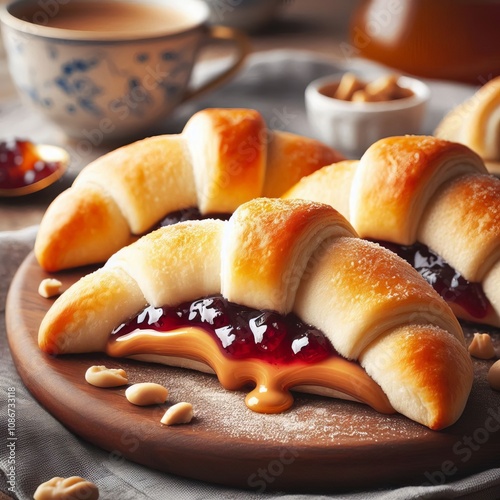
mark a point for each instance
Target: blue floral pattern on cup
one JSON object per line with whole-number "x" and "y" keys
{"x": 73, "y": 82}
{"x": 90, "y": 83}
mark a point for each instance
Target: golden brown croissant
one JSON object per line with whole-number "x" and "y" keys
{"x": 476, "y": 123}
{"x": 413, "y": 189}
{"x": 223, "y": 158}
{"x": 226, "y": 296}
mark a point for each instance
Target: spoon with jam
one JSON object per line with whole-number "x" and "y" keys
{"x": 26, "y": 167}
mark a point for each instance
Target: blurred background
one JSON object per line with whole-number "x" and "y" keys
{"x": 318, "y": 25}
{"x": 455, "y": 41}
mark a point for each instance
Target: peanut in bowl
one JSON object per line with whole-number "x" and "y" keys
{"x": 350, "y": 114}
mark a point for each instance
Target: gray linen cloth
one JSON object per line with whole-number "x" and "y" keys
{"x": 273, "y": 83}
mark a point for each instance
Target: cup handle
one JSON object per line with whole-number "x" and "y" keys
{"x": 242, "y": 43}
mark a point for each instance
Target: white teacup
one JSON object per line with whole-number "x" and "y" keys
{"x": 112, "y": 68}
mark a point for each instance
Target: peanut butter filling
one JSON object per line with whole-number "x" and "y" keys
{"x": 272, "y": 382}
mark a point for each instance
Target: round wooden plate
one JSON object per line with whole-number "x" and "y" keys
{"x": 320, "y": 444}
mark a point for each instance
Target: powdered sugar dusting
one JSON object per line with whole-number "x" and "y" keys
{"x": 313, "y": 421}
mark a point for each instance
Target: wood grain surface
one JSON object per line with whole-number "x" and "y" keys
{"x": 320, "y": 445}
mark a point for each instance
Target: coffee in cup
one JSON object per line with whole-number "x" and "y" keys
{"x": 116, "y": 67}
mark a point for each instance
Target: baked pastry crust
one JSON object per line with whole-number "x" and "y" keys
{"x": 223, "y": 158}
{"x": 371, "y": 305}
{"x": 476, "y": 123}
{"x": 417, "y": 188}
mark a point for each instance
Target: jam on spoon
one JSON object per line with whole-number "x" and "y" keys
{"x": 26, "y": 167}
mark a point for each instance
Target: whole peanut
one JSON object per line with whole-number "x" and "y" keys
{"x": 146, "y": 393}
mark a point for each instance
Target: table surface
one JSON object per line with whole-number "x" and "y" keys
{"x": 313, "y": 25}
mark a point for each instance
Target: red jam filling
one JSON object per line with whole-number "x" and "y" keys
{"x": 241, "y": 332}
{"x": 20, "y": 164}
{"x": 448, "y": 282}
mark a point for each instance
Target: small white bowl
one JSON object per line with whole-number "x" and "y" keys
{"x": 351, "y": 127}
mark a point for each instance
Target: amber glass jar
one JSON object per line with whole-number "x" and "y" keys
{"x": 446, "y": 39}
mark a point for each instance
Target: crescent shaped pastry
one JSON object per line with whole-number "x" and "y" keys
{"x": 476, "y": 123}
{"x": 422, "y": 189}
{"x": 223, "y": 158}
{"x": 283, "y": 295}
